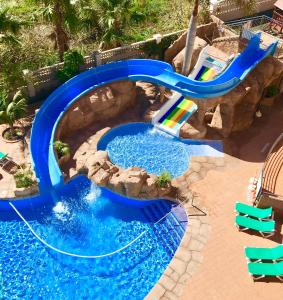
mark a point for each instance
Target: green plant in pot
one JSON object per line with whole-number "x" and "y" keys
{"x": 11, "y": 110}
{"x": 164, "y": 179}
{"x": 62, "y": 149}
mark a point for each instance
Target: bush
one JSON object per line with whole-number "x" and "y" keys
{"x": 72, "y": 62}
{"x": 61, "y": 148}
{"x": 153, "y": 49}
{"x": 271, "y": 91}
{"x": 24, "y": 178}
{"x": 164, "y": 179}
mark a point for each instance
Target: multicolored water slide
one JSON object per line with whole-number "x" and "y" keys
{"x": 178, "y": 113}
{"x": 48, "y": 173}
{"x": 183, "y": 108}
{"x": 206, "y": 74}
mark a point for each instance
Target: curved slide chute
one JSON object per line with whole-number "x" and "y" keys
{"x": 178, "y": 109}
{"x": 157, "y": 72}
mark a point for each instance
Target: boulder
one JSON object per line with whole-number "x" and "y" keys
{"x": 133, "y": 180}
{"x": 189, "y": 131}
{"x": 164, "y": 191}
{"x": 116, "y": 184}
{"x": 132, "y": 186}
{"x": 179, "y": 58}
{"x": 96, "y": 161}
{"x": 149, "y": 188}
{"x": 207, "y": 31}
{"x": 101, "y": 177}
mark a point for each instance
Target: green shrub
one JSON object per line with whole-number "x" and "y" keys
{"x": 72, "y": 62}
{"x": 154, "y": 49}
{"x": 271, "y": 91}
{"x": 164, "y": 179}
{"x": 61, "y": 148}
{"x": 24, "y": 178}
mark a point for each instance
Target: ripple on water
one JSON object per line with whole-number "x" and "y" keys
{"x": 142, "y": 145}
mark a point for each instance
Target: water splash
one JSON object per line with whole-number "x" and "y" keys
{"x": 94, "y": 193}
{"x": 61, "y": 211}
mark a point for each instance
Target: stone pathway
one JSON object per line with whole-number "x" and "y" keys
{"x": 19, "y": 152}
{"x": 188, "y": 256}
{"x": 185, "y": 261}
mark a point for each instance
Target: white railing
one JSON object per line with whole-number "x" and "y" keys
{"x": 226, "y": 10}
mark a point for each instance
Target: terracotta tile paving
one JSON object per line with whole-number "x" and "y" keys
{"x": 223, "y": 272}
{"x": 18, "y": 151}
{"x": 20, "y": 156}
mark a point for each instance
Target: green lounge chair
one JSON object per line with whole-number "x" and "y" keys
{"x": 265, "y": 228}
{"x": 2, "y": 155}
{"x": 259, "y": 213}
{"x": 261, "y": 270}
{"x": 3, "y": 159}
{"x": 258, "y": 254}
{"x": 7, "y": 163}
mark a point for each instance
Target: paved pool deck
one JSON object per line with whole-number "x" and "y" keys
{"x": 210, "y": 262}
{"x": 216, "y": 267}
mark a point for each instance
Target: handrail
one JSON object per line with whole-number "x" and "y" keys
{"x": 269, "y": 163}
{"x": 272, "y": 171}
{"x": 90, "y": 256}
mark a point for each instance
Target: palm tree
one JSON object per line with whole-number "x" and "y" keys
{"x": 65, "y": 16}
{"x": 9, "y": 26}
{"x": 248, "y": 6}
{"x": 191, "y": 35}
{"x": 114, "y": 16}
{"x": 12, "y": 109}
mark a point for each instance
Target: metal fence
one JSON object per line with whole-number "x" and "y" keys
{"x": 247, "y": 28}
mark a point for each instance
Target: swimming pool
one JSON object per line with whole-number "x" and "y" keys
{"x": 141, "y": 145}
{"x": 86, "y": 220}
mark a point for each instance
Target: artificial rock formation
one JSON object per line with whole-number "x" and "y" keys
{"x": 179, "y": 58}
{"x": 236, "y": 110}
{"x": 132, "y": 182}
{"x": 98, "y": 105}
{"x": 208, "y": 32}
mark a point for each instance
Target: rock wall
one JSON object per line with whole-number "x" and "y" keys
{"x": 236, "y": 110}
{"x": 179, "y": 58}
{"x": 206, "y": 32}
{"x": 132, "y": 182}
{"x": 98, "y": 105}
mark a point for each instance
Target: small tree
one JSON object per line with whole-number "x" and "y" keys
{"x": 9, "y": 27}
{"x": 12, "y": 109}
{"x": 66, "y": 17}
{"x": 72, "y": 62}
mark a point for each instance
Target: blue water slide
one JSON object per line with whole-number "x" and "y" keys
{"x": 157, "y": 72}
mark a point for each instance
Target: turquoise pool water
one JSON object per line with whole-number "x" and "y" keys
{"x": 141, "y": 145}
{"x": 87, "y": 220}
